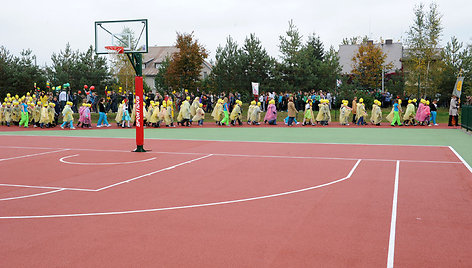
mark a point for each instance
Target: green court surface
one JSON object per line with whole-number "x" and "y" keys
{"x": 456, "y": 138}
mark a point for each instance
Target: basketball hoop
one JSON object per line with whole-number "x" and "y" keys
{"x": 115, "y": 49}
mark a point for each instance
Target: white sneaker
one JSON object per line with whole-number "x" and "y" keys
{"x": 62, "y": 127}
{"x": 72, "y": 128}
{"x": 436, "y": 124}
{"x": 108, "y": 125}
{"x": 99, "y": 126}
{"x": 298, "y": 123}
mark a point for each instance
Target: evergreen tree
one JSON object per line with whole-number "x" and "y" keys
{"x": 256, "y": 65}
{"x": 18, "y": 74}
{"x": 227, "y": 73}
{"x": 78, "y": 69}
{"x": 291, "y": 73}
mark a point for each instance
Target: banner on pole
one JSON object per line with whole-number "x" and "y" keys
{"x": 255, "y": 88}
{"x": 458, "y": 87}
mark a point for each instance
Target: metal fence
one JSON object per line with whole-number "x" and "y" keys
{"x": 466, "y": 117}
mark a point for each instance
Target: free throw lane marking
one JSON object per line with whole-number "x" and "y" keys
{"x": 187, "y": 206}
{"x": 393, "y": 223}
{"x": 99, "y": 164}
{"x": 154, "y": 172}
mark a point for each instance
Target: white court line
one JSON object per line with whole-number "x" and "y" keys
{"x": 31, "y": 195}
{"x": 154, "y": 172}
{"x": 462, "y": 159}
{"x": 47, "y": 187}
{"x": 187, "y": 206}
{"x": 393, "y": 223}
{"x": 29, "y": 155}
{"x": 274, "y": 142}
{"x": 242, "y": 155}
{"x": 109, "y": 186}
{"x": 100, "y": 164}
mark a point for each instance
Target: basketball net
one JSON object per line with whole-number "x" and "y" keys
{"x": 113, "y": 56}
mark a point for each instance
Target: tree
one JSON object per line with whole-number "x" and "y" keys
{"x": 256, "y": 65}
{"x": 78, "y": 69}
{"x": 355, "y": 40}
{"x": 18, "y": 74}
{"x": 424, "y": 57}
{"x": 63, "y": 67}
{"x": 185, "y": 66}
{"x": 466, "y": 65}
{"x": 368, "y": 64}
{"x": 290, "y": 47}
{"x": 93, "y": 69}
{"x": 457, "y": 60}
{"x": 227, "y": 73}
{"x": 161, "y": 83}
{"x": 330, "y": 70}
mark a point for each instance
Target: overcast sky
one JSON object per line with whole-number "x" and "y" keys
{"x": 46, "y": 26}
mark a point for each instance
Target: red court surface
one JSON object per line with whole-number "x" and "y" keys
{"x": 89, "y": 202}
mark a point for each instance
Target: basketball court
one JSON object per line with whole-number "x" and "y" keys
{"x": 91, "y": 202}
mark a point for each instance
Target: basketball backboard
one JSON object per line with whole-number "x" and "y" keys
{"x": 132, "y": 35}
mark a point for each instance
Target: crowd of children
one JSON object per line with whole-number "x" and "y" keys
{"x": 30, "y": 110}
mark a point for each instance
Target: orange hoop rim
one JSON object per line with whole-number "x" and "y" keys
{"x": 115, "y": 49}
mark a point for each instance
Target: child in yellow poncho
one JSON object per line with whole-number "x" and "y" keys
{"x": 218, "y": 111}
{"x": 344, "y": 113}
{"x": 256, "y": 114}
{"x": 361, "y": 112}
{"x": 199, "y": 115}
{"x": 15, "y": 113}
{"x": 410, "y": 113}
{"x": 37, "y": 114}
{"x": 376, "y": 116}
{"x": 44, "y": 117}
{"x": 119, "y": 114}
{"x": 249, "y": 111}
{"x": 324, "y": 116}
{"x": 154, "y": 119}
{"x": 7, "y": 114}
{"x": 67, "y": 116}
{"x": 235, "y": 115}
{"x": 51, "y": 115}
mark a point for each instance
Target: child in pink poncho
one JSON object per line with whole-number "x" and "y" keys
{"x": 271, "y": 115}
{"x": 419, "y": 113}
{"x": 87, "y": 116}
{"x": 426, "y": 114}
{"x": 81, "y": 115}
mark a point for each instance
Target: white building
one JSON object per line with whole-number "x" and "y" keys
{"x": 394, "y": 52}
{"x": 154, "y": 58}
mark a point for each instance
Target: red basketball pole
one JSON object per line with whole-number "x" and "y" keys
{"x": 139, "y": 97}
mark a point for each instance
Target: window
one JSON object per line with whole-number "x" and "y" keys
{"x": 144, "y": 66}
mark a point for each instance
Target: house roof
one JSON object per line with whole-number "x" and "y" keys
{"x": 158, "y": 54}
